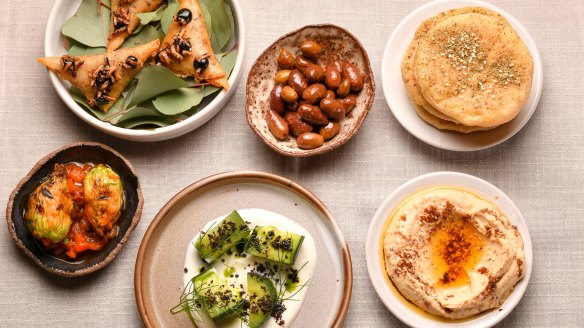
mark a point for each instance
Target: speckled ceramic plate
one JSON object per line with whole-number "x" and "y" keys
{"x": 337, "y": 43}
{"x": 160, "y": 263}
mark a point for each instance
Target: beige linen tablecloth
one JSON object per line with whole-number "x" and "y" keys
{"x": 541, "y": 168}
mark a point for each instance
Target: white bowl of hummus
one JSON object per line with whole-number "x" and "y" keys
{"x": 448, "y": 249}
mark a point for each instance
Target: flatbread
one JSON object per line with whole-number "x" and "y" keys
{"x": 117, "y": 67}
{"x": 193, "y": 35}
{"x": 475, "y": 69}
{"x": 444, "y": 124}
{"x": 407, "y": 67}
{"x": 128, "y": 9}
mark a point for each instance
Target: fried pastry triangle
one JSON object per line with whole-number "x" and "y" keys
{"x": 186, "y": 50}
{"x": 103, "y": 77}
{"x": 124, "y": 19}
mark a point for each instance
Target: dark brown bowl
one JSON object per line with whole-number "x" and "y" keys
{"x": 77, "y": 152}
{"x": 338, "y": 44}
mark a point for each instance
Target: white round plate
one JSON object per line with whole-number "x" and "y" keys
{"x": 63, "y": 9}
{"x": 401, "y": 106}
{"x": 393, "y": 300}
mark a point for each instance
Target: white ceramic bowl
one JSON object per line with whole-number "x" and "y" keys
{"x": 63, "y": 9}
{"x": 395, "y": 302}
{"x": 401, "y": 106}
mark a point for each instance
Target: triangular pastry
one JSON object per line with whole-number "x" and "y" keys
{"x": 102, "y": 78}
{"x": 186, "y": 50}
{"x": 124, "y": 19}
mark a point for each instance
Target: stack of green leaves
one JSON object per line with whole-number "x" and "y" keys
{"x": 156, "y": 97}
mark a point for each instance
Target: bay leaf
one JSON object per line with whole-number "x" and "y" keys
{"x": 89, "y": 26}
{"x": 231, "y": 22}
{"x": 138, "y": 29}
{"x": 129, "y": 92}
{"x": 142, "y": 116}
{"x": 153, "y": 16}
{"x": 153, "y": 81}
{"x": 228, "y": 61}
{"x": 168, "y": 14}
{"x": 79, "y": 50}
{"x": 221, "y": 25}
{"x": 208, "y": 19}
{"x": 147, "y": 34}
{"x": 178, "y": 101}
{"x": 137, "y": 112}
{"x": 75, "y": 48}
{"x": 209, "y": 90}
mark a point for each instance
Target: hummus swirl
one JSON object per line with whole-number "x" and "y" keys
{"x": 452, "y": 253}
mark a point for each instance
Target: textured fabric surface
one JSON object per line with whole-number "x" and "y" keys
{"x": 541, "y": 168}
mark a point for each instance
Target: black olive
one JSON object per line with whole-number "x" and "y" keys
{"x": 119, "y": 24}
{"x": 183, "y": 16}
{"x": 184, "y": 46}
{"x": 101, "y": 101}
{"x": 201, "y": 65}
{"x": 132, "y": 61}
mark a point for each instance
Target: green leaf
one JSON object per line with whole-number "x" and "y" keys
{"x": 138, "y": 29}
{"x": 231, "y": 21}
{"x": 168, "y": 14}
{"x": 221, "y": 23}
{"x": 228, "y": 61}
{"x": 178, "y": 101}
{"x": 88, "y": 26}
{"x": 141, "y": 116}
{"x": 112, "y": 113}
{"x": 77, "y": 50}
{"x": 208, "y": 19}
{"x": 209, "y": 90}
{"x": 147, "y": 34}
{"x": 138, "y": 112}
{"x": 153, "y": 81}
{"x": 153, "y": 16}
{"x": 129, "y": 92}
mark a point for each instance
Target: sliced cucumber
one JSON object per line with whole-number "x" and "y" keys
{"x": 217, "y": 297}
{"x": 215, "y": 242}
{"x": 262, "y": 298}
{"x": 273, "y": 244}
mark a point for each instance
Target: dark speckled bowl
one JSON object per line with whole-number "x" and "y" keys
{"x": 77, "y": 152}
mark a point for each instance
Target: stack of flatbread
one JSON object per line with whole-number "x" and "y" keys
{"x": 467, "y": 70}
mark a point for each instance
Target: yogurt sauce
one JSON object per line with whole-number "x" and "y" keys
{"x": 235, "y": 269}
